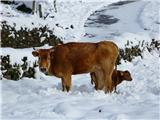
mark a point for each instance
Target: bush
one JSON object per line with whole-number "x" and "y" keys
{"x": 155, "y": 44}
{"x": 16, "y": 71}
{"x": 130, "y": 52}
{"x": 26, "y": 38}
{"x": 27, "y": 70}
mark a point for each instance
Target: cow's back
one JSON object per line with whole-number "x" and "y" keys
{"x": 92, "y": 52}
{"x": 107, "y": 49}
{"x": 81, "y": 57}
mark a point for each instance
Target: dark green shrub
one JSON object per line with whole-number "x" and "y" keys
{"x": 155, "y": 44}
{"x": 130, "y": 52}
{"x": 16, "y": 71}
{"x": 28, "y": 71}
{"x": 13, "y": 73}
{"x": 5, "y": 62}
{"x": 9, "y": 71}
{"x": 26, "y": 38}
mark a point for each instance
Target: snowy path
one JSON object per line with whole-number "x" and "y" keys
{"x": 114, "y": 20}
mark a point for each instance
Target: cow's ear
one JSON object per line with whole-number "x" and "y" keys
{"x": 35, "y": 53}
{"x": 121, "y": 73}
{"x": 51, "y": 53}
{"x": 60, "y": 43}
{"x": 127, "y": 71}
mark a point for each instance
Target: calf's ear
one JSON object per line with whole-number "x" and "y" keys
{"x": 35, "y": 53}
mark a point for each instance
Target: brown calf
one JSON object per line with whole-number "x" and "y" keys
{"x": 117, "y": 77}
{"x": 76, "y": 58}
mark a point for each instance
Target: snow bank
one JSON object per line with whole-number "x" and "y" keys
{"x": 42, "y": 98}
{"x": 150, "y": 18}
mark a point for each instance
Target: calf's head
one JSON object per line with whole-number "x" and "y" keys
{"x": 43, "y": 58}
{"x": 125, "y": 75}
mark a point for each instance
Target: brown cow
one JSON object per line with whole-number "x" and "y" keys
{"x": 117, "y": 77}
{"x": 76, "y": 58}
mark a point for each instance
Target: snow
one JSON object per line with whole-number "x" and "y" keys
{"x": 151, "y": 18}
{"x": 42, "y": 98}
{"x": 69, "y": 13}
{"x": 136, "y": 17}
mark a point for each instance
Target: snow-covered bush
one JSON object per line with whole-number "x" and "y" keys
{"x": 26, "y": 38}
{"x": 9, "y": 71}
{"x": 131, "y": 51}
{"x": 16, "y": 71}
{"x": 155, "y": 44}
{"x": 28, "y": 71}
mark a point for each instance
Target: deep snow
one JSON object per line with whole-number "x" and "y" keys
{"x": 42, "y": 98}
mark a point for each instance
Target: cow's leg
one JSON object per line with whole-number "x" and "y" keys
{"x": 99, "y": 79}
{"x": 66, "y": 83}
{"x": 108, "y": 77}
{"x": 63, "y": 85}
{"x": 108, "y": 83}
{"x": 94, "y": 80}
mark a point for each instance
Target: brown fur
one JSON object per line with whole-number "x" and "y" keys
{"x": 76, "y": 58}
{"x": 117, "y": 77}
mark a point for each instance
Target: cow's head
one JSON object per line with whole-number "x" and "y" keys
{"x": 43, "y": 58}
{"x": 126, "y": 75}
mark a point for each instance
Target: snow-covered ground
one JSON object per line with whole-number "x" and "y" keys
{"x": 141, "y": 17}
{"x": 74, "y": 12}
{"x": 42, "y": 98}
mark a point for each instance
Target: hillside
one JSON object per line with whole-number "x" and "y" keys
{"x": 41, "y": 97}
